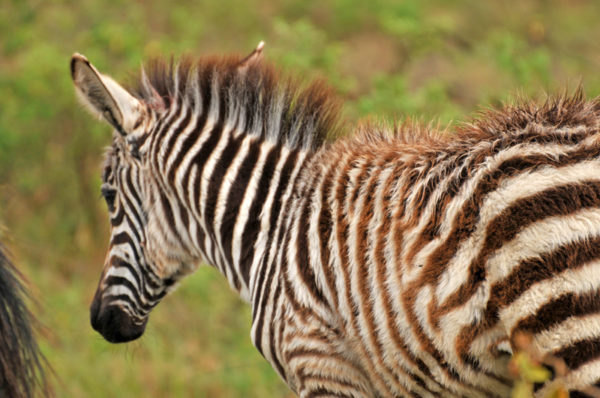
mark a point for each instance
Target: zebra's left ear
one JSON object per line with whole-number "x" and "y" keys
{"x": 104, "y": 97}
{"x": 254, "y": 57}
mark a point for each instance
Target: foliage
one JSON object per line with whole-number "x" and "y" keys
{"x": 529, "y": 368}
{"x": 388, "y": 59}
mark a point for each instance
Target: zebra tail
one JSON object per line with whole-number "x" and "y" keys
{"x": 21, "y": 362}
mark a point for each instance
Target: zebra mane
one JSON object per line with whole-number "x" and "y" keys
{"x": 253, "y": 94}
{"x": 558, "y": 112}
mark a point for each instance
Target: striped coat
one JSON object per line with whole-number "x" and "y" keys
{"x": 429, "y": 253}
{"x": 398, "y": 263}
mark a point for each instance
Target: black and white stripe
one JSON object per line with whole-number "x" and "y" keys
{"x": 385, "y": 265}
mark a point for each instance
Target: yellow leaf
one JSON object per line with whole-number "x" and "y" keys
{"x": 529, "y": 370}
{"x": 522, "y": 389}
{"x": 535, "y": 374}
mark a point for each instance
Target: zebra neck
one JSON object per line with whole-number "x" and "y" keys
{"x": 225, "y": 190}
{"x": 244, "y": 189}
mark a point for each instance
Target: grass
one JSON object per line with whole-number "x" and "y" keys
{"x": 429, "y": 60}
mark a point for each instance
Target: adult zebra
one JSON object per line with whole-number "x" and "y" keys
{"x": 21, "y": 363}
{"x": 382, "y": 265}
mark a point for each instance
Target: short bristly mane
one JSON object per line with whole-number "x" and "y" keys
{"x": 562, "y": 111}
{"x": 520, "y": 120}
{"x": 255, "y": 96}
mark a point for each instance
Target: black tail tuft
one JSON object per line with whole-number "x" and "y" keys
{"x": 21, "y": 363}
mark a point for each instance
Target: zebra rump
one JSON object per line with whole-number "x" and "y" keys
{"x": 21, "y": 363}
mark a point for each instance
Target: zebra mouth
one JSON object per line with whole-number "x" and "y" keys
{"x": 114, "y": 324}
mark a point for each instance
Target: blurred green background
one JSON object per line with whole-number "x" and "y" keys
{"x": 431, "y": 60}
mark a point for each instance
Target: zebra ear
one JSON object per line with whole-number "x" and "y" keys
{"x": 253, "y": 58}
{"x": 103, "y": 96}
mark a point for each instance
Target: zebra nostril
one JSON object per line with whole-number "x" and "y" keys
{"x": 116, "y": 326}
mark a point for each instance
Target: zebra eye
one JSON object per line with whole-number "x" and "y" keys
{"x": 109, "y": 195}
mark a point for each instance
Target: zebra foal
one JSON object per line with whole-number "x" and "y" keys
{"x": 388, "y": 265}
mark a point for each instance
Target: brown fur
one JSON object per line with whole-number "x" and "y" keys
{"x": 558, "y": 111}
{"x": 420, "y": 150}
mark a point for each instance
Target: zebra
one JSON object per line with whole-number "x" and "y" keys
{"x": 22, "y": 365}
{"x": 394, "y": 262}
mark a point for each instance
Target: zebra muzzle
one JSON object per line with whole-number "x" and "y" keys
{"x": 113, "y": 323}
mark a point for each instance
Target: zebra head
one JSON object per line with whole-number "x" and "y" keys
{"x": 136, "y": 273}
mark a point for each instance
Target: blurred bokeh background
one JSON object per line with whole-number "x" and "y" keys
{"x": 430, "y": 60}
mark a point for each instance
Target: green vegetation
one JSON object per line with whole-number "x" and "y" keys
{"x": 386, "y": 58}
